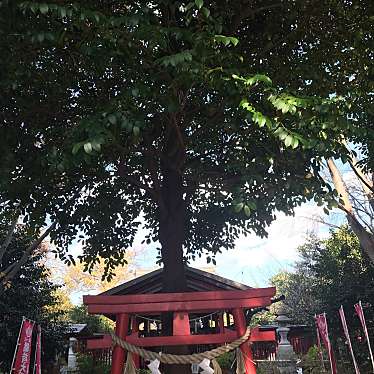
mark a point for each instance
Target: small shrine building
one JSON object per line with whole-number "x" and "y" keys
{"x": 212, "y": 312}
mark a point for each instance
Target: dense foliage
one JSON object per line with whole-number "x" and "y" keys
{"x": 32, "y": 295}
{"x": 331, "y": 273}
{"x": 201, "y": 118}
{"x": 87, "y": 365}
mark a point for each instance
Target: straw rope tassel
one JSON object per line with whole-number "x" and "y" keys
{"x": 130, "y": 367}
{"x": 240, "y": 366}
{"x": 216, "y": 367}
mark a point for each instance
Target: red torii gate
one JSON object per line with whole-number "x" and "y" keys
{"x": 126, "y": 306}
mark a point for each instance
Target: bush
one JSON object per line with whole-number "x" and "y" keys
{"x": 311, "y": 362}
{"x": 226, "y": 360}
{"x": 87, "y": 365}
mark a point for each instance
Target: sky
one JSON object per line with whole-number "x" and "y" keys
{"x": 254, "y": 260}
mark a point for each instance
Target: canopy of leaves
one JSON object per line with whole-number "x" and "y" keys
{"x": 331, "y": 273}
{"x": 101, "y": 100}
{"x": 32, "y": 295}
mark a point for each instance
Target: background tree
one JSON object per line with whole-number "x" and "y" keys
{"x": 95, "y": 324}
{"x": 31, "y": 294}
{"x": 331, "y": 273}
{"x": 74, "y": 282}
{"x": 357, "y": 201}
{"x": 11, "y": 270}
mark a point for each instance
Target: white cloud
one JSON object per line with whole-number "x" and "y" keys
{"x": 256, "y": 259}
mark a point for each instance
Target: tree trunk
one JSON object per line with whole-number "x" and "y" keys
{"x": 172, "y": 232}
{"x": 366, "y": 238}
{"x": 172, "y": 235}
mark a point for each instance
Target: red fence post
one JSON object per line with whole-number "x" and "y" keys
{"x": 135, "y": 328}
{"x": 119, "y": 354}
{"x": 240, "y": 324}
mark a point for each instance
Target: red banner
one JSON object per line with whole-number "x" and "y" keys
{"x": 321, "y": 323}
{"x": 38, "y": 353}
{"x": 22, "y": 359}
{"x": 346, "y": 333}
{"x": 361, "y": 316}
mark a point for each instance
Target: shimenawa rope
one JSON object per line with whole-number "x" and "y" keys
{"x": 194, "y": 358}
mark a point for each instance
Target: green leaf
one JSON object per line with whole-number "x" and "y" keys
{"x": 238, "y": 207}
{"x": 252, "y": 205}
{"x": 199, "y": 3}
{"x": 76, "y": 148}
{"x": 226, "y": 40}
{"x": 295, "y": 143}
{"x": 283, "y": 135}
{"x": 206, "y": 12}
{"x": 247, "y": 210}
{"x": 43, "y": 8}
{"x": 96, "y": 145}
{"x": 136, "y": 130}
{"x": 288, "y": 141}
{"x": 63, "y": 12}
{"x": 262, "y": 121}
{"x": 112, "y": 119}
{"x": 40, "y": 37}
{"x": 234, "y": 41}
{"x": 88, "y": 147}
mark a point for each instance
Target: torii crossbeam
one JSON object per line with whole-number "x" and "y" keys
{"x": 181, "y": 304}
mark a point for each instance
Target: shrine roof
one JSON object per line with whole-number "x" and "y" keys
{"x": 197, "y": 280}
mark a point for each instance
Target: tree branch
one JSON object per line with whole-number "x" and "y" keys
{"x": 9, "y": 236}
{"x": 365, "y": 238}
{"x": 249, "y": 12}
{"x": 366, "y": 184}
{"x": 9, "y": 273}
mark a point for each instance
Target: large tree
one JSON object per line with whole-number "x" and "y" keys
{"x": 117, "y": 114}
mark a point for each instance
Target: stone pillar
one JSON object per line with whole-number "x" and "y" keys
{"x": 286, "y": 357}
{"x": 72, "y": 359}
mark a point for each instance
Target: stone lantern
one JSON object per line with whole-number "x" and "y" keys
{"x": 286, "y": 356}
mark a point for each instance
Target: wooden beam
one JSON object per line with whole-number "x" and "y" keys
{"x": 158, "y": 341}
{"x": 179, "y": 306}
{"x": 187, "y": 296}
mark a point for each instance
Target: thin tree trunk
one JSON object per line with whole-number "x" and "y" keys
{"x": 366, "y": 183}
{"x": 366, "y": 239}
